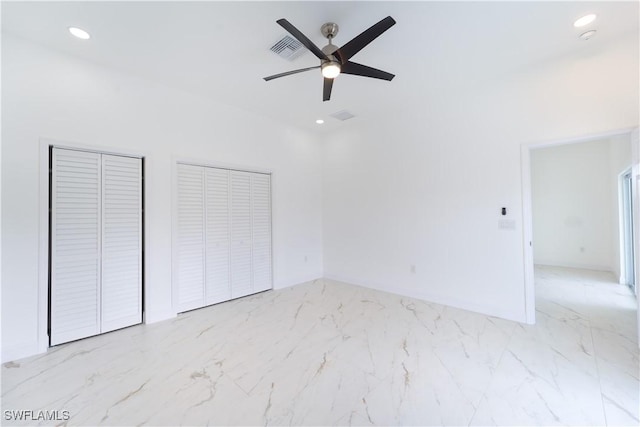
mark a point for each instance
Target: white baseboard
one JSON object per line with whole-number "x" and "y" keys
{"x": 494, "y": 311}
{"x": 158, "y": 316}
{"x": 20, "y": 351}
{"x": 294, "y": 282}
{"x": 578, "y": 266}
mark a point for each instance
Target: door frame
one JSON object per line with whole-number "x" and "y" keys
{"x": 624, "y": 210}
{"x": 43, "y": 229}
{"x": 527, "y": 208}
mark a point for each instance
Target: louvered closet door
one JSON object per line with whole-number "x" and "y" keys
{"x": 261, "y": 231}
{"x": 191, "y": 237}
{"x": 218, "y": 285}
{"x": 121, "y": 242}
{"x": 75, "y": 245}
{"x": 240, "y": 234}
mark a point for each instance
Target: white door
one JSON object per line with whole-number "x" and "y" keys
{"x": 218, "y": 284}
{"x": 240, "y": 234}
{"x": 191, "y": 234}
{"x": 75, "y": 245}
{"x": 121, "y": 295}
{"x": 96, "y": 244}
{"x": 223, "y": 244}
{"x": 261, "y": 231}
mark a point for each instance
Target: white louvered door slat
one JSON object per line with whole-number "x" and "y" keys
{"x": 191, "y": 234}
{"x": 240, "y": 234}
{"x": 75, "y": 245}
{"x": 121, "y": 287}
{"x": 218, "y": 286}
{"x": 261, "y": 231}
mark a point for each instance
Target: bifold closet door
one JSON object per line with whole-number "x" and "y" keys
{"x": 96, "y": 244}
{"x": 261, "y": 231}
{"x": 191, "y": 235}
{"x": 217, "y": 282}
{"x": 75, "y": 245}
{"x": 121, "y": 296}
{"x": 223, "y": 245}
{"x": 240, "y": 234}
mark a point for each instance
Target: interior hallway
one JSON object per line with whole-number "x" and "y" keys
{"x": 332, "y": 353}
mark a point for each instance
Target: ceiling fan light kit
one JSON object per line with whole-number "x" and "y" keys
{"x": 330, "y": 69}
{"x": 335, "y": 60}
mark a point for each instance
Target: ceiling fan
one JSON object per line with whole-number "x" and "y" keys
{"x": 334, "y": 60}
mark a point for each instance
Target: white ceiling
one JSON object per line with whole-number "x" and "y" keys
{"x": 220, "y": 49}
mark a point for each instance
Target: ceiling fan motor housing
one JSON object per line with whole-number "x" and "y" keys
{"x": 329, "y": 49}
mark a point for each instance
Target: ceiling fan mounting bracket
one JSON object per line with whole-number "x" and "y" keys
{"x": 329, "y": 30}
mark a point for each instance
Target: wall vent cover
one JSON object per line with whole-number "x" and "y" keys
{"x": 342, "y": 115}
{"x": 288, "y": 48}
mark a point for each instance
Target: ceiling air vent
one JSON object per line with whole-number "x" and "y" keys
{"x": 342, "y": 115}
{"x": 288, "y": 48}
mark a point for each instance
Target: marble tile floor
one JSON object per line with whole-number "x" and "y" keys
{"x": 328, "y": 353}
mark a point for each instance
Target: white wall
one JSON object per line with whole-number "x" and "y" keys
{"x": 575, "y": 209}
{"x": 46, "y": 94}
{"x": 425, "y": 187}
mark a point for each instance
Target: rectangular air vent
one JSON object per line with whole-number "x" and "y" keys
{"x": 342, "y": 115}
{"x": 288, "y": 48}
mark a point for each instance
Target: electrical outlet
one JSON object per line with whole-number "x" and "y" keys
{"x": 413, "y": 269}
{"x": 306, "y": 258}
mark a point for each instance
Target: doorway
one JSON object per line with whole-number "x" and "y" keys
{"x": 528, "y": 235}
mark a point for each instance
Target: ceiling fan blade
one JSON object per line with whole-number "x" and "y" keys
{"x": 366, "y": 37}
{"x": 288, "y": 73}
{"x": 326, "y": 90}
{"x": 363, "y": 70}
{"x": 302, "y": 38}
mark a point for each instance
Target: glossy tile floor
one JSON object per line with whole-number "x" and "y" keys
{"x": 327, "y": 353}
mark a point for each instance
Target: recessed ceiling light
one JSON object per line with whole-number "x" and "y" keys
{"x": 587, "y": 35}
{"x": 319, "y": 121}
{"x": 79, "y": 33}
{"x": 585, "y": 20}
